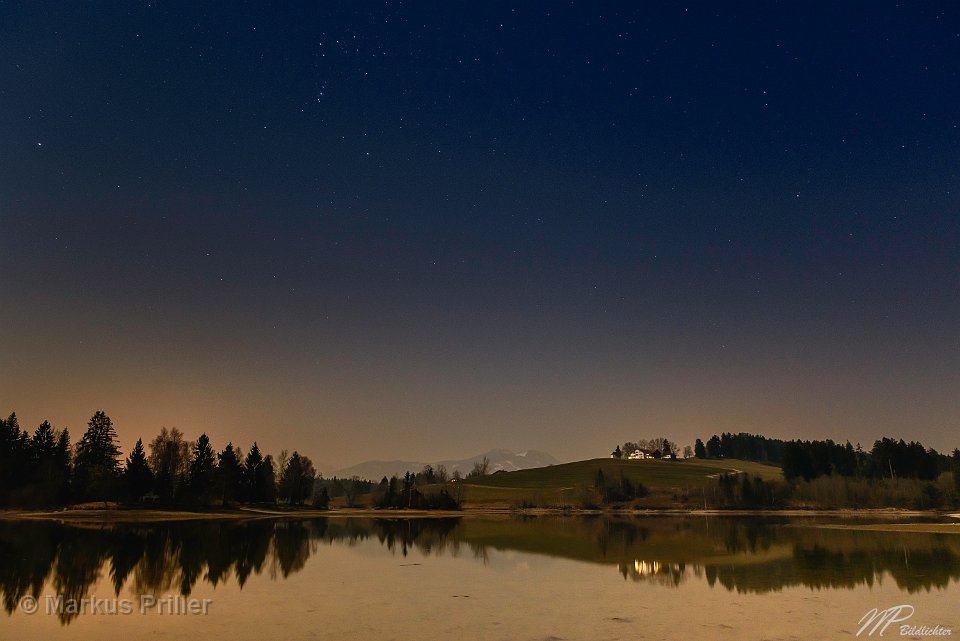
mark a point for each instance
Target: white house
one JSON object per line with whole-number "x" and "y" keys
{"x": 639, "y": 455}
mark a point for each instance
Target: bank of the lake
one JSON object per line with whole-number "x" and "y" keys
{"x": 159, "y": 515}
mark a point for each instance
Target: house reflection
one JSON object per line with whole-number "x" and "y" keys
{"x": 661, "y": 573}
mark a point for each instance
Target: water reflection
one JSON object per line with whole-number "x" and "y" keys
{"x": 670, "y": 574}
{"x": 739, "y": 554}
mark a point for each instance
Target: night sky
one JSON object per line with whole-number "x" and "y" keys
{"x": 422, "y": 230}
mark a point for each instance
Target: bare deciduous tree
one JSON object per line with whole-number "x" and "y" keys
{"x": 480, "y": 468}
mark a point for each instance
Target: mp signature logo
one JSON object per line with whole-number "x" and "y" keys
{"x": 879, "y": 620}
{"x": 883, "y": 619}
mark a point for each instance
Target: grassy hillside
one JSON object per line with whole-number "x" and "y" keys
{"x": 652, "y": 473}
{"x": 558, "y": 484}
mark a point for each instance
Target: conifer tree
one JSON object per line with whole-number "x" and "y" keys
{"x": 43, "y": 442}
{"x": 266, "y": 485}
{"x": 699, "y": 450}
{"x": 229, "y": 474}
{"x": 44, "y": 474}
{"x": 956, "y": 469}
{"x": 97, "y": 459}
{"x": 63, "y": 460}
{"x": 13, "y": 458}
{"x": 202, "y": 470}
{"x": 137, "y": 476}
{"x": 251, "y": 473}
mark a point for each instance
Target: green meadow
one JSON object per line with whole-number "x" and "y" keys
{"x": 562, "y": 484}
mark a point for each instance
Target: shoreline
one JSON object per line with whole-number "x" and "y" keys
{"x": 160, "y": 515}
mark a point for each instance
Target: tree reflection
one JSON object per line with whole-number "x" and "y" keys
{"x": 739, "y": 554}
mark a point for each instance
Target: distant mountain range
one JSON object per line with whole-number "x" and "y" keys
{"x": 499, "y": 460}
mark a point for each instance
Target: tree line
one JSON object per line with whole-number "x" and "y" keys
{"x": 749, "y": 447}
{"x": 807, "y": 460}
{"x": 44, "y": 469}
{"x": 403, "y": 493}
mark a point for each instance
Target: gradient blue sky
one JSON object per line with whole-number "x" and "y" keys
{"x": 420, "y": 230}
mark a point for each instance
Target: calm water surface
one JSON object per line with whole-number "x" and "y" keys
{"x": 470, "y": 578}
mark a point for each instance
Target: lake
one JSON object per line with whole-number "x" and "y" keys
{"x": 475, "y": 577}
